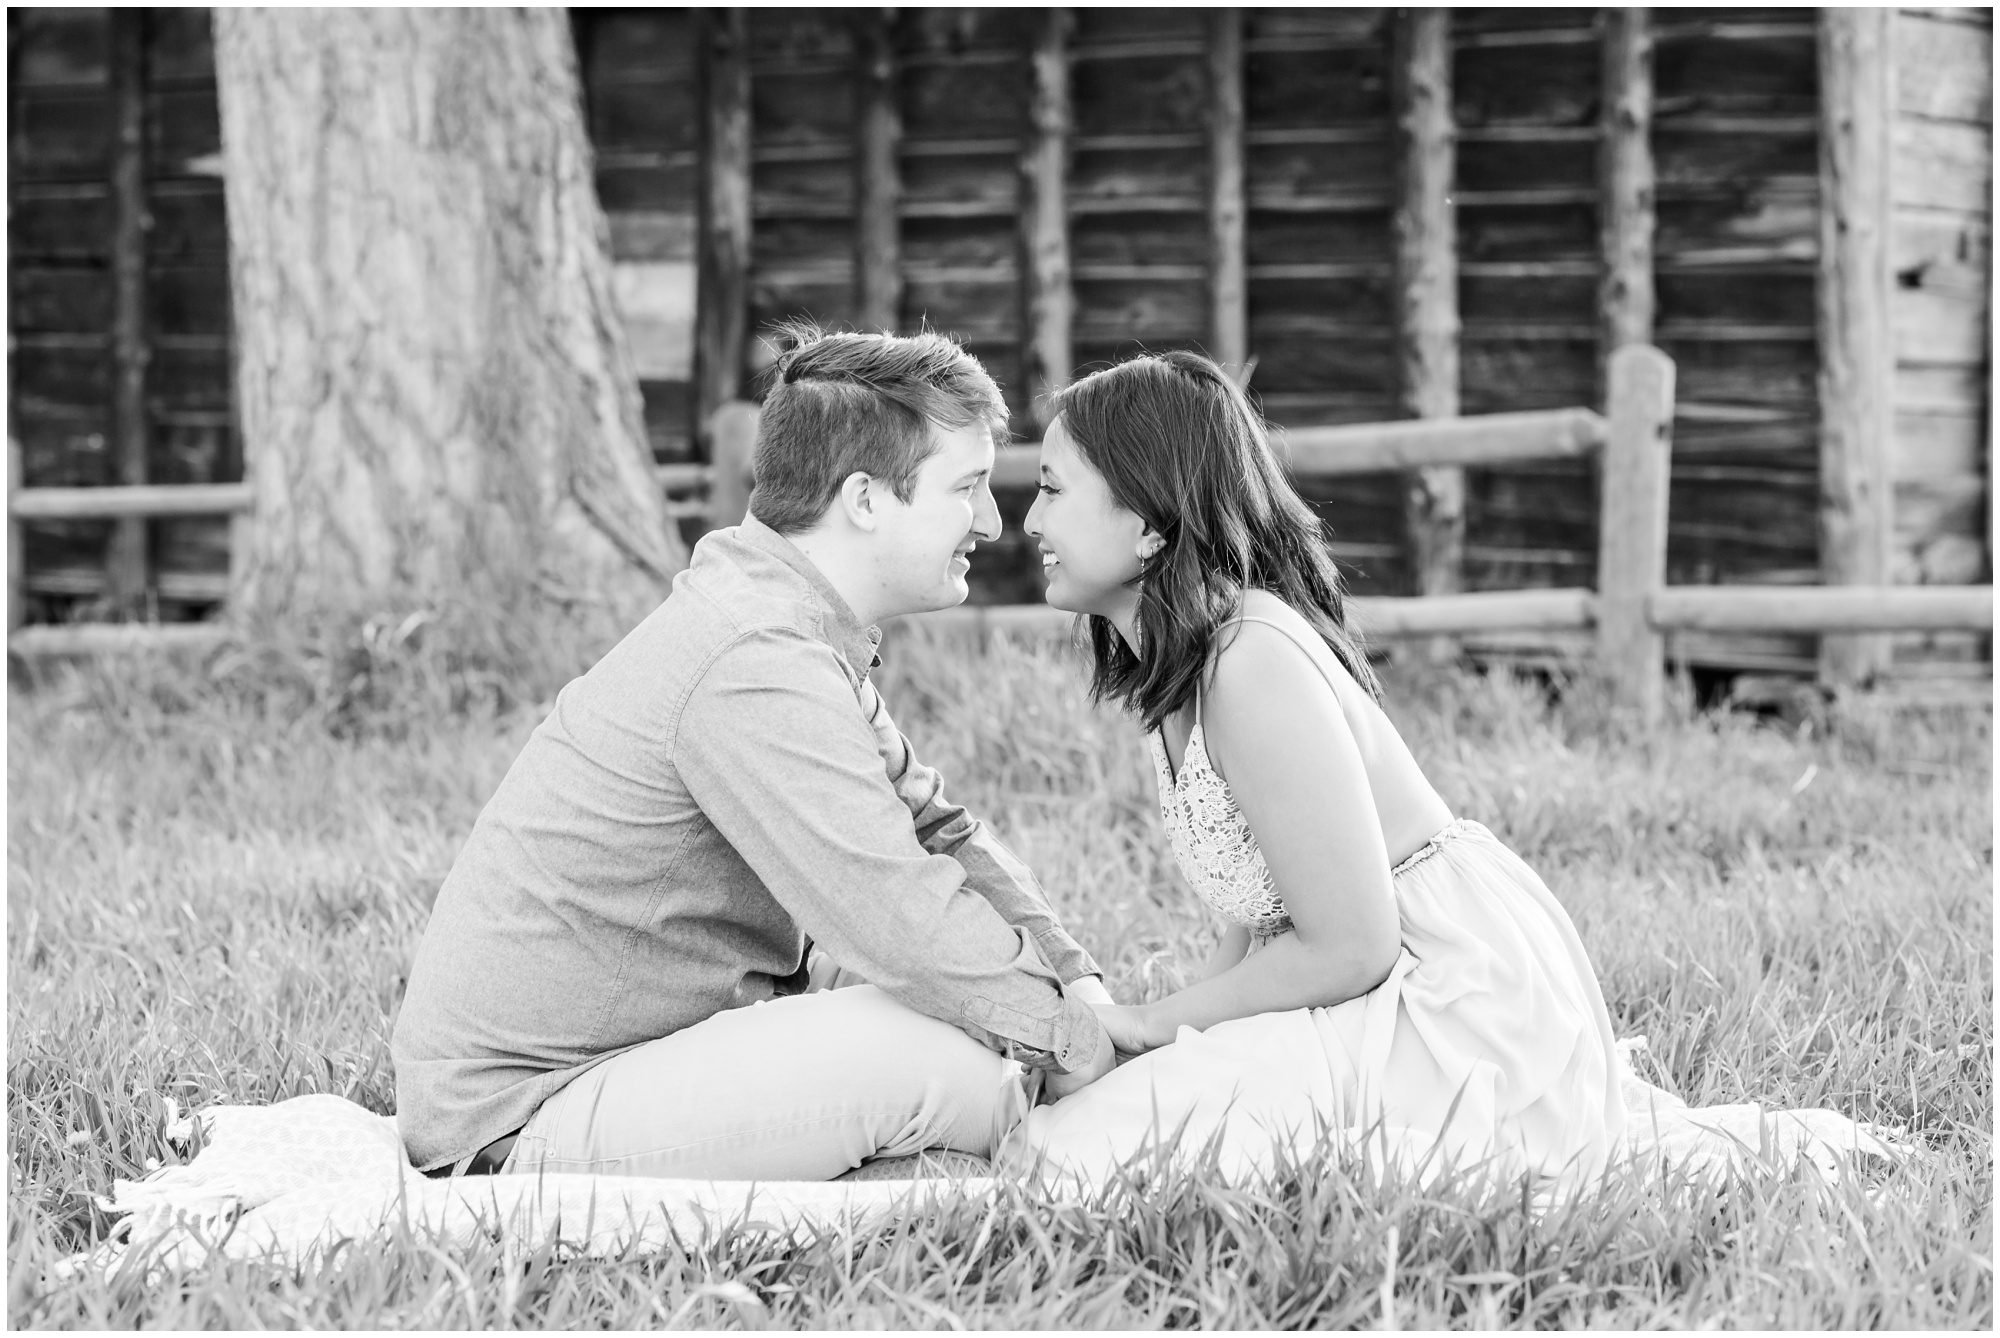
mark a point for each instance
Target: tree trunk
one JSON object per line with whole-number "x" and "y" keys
{"x": 439, "y": 407}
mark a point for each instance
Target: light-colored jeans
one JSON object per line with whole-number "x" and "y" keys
{"x": 804, "y": 1087}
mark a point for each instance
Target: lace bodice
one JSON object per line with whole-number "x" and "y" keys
{"x": 1212, "y": 841}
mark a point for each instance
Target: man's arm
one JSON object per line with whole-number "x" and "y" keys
{"x": 773, "y": 746}
{"x": 991, "y": 870}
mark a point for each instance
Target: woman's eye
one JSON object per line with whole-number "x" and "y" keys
{"x": 1045, "y": 489}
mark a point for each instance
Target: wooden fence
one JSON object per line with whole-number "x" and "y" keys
{"x": 1630, "y": 609}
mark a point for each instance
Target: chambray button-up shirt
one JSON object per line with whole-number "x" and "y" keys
{"x": 722, "y": 784}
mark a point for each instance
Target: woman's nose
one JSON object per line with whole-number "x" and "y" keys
{"x": 1032, "y": 526}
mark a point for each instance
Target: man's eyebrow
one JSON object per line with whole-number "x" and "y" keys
{"x": 972, "y": 474}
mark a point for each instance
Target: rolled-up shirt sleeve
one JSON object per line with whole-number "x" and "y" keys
{"x": 991, "y": 870}
{"x": 774, "y": 746}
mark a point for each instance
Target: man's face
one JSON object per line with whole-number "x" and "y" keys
{"x": 923, "y": 546}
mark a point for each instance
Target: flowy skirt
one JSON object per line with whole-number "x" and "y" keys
{"x": 1487, "y": 1051}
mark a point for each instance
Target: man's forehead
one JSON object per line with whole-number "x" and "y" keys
{"x": 964, "y": 448}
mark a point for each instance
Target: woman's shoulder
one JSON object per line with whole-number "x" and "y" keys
{"x": 1265, "y": 638}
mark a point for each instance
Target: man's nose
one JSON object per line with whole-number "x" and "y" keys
{"x": 986, "y": 514}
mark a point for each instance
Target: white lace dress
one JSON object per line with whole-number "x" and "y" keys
{"x": 1488, "y": 1045}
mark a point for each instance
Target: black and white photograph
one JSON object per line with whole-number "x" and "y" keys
{"x": 1252, "y": 668}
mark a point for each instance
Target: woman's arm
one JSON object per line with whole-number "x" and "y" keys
{"x": 1276, "y": 733}
{"x": 1229, "y": 950}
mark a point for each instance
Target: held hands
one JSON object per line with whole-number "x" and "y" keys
{"x": 1127, "y": 1028}
{"x": 1056, "y": 1086}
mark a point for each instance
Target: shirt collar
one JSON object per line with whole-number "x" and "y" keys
{"x": 850, "y": 637}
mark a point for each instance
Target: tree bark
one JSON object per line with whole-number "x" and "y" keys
{"x": 439, "y": 407}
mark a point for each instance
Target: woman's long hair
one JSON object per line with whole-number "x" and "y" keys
{"x": 1180, "y": 446}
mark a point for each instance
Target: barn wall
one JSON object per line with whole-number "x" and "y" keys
{"x": 1942, "y": 252}
{"x": 60, "y": 291}
{"x": 1734, "y": 138}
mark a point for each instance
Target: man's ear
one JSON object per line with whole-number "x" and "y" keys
{"x": 857, "y": 501}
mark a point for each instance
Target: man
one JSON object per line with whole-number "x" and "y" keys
{"x": 614, "y": 976}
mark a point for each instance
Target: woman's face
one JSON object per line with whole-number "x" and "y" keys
{"x": 1089, "y": 543}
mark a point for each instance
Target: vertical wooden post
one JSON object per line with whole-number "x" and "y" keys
{"x": 1632, "y": 534}
{"x": 878, "y": 185}
{"x": 1625, "y": 186}
{"x": 1857, "y": 355}
{"x": 722, "y": 306}
{"x": 1427, "y": 291}
{"x": 1227, "y": 287}
{"x": 17, "y": 543}
{"x": 127, "y": 561}
{"x": 732, "y": 432}
{"x": 1049, "y": 300}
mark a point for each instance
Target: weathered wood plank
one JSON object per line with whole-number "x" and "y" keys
{"x": 1699, "y": 71}
{"x": 17, "y": 542}
{"x": 1478, "y": 442}
{"x": 1943, "y": 69}
{"x": 113, "y": 639}
{"x": 1484, "y": 611}
{"x": 1931, "y": 388}
{"x": 129, "y": 500}
{"x": 878, "y": 192}
{"x": 1939, "y": 444}
{"x": 1632, "y": 524}
{"x": 1426, "y": 293}
{"x": 1227, "y": 296}
{"x": 1938, "y": 327}
{"x": 1299, "y": 89}
{"x": 1048, "y": 300}
{"x": 1539, "y": 85}
{"x": 1825, "y": 609}
{"x": 128, "y": 560}
{"x": 1857, "y": 348}
{"x": 723, "y": 302}
{"x": 1943, "y": 164}
{"x": 1626, "y": 300}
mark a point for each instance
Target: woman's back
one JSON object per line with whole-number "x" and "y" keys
{"x": 1409, "y": 809}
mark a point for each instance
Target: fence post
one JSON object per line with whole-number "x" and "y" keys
{"x": 732, "y": 430}
{"x": 1632, "y": 519}
{"x": 17, "y": 543}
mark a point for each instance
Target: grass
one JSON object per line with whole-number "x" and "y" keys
{"x": 217, "y": 874}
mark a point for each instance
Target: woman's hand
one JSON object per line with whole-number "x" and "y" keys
{"x": 1129, "y": 1029}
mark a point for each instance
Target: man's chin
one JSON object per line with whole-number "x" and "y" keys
{"x": 948, "y": 596}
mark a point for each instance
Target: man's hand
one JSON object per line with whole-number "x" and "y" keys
{"x": 1056, "y": 1086}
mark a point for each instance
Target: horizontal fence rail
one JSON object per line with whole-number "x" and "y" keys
{"x": 1823, "y": 608}
{"x": 1704, "y": 608}
{"x": 1629, "y": 612}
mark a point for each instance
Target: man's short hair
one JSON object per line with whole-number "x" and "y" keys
{"x": 846, "y": 403}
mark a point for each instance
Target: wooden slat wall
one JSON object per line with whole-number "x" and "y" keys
{"x": 63, "y": 291}
{"x": 1065, "y": 202}
{"x": 1321, "y": 185}
{"x": 641, "y": 102}
{"x": 1941, "y": 253}
{"x": 1735, "y": 143}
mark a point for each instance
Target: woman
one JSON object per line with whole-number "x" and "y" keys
{"x": 1385, "y": 968}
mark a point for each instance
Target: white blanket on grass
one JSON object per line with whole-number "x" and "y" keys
{"x": 290, "y": 1181}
